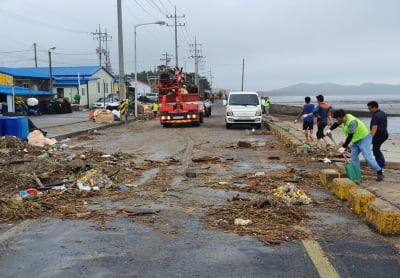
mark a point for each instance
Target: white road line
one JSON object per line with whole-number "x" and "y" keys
{"x": 14, "y": 230}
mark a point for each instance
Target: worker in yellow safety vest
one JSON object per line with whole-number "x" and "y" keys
{"x": 360, "y": 138}
{"x": 154, "y": 108}
{"x": 267, "y": 103}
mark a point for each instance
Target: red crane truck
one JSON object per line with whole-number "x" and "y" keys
{"x": 179, "y": 100}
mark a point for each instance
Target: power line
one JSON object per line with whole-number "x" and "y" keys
{"x": 151, "y": 2}
{"x": 16, "y": 51}
{"x": 166, "y": 10}
{"x": 28, "y": 19}
{"x": 147, "y": 12}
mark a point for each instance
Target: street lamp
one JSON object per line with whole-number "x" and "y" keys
{"x": 51, "y": 69}
{"x": 136, "y": 91}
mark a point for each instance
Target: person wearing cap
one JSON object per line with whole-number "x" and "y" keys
{"x": 308, "y": 118}
{"x": 323, "y": 113}
{"x": 378, "y": 130}
{"x": 359, "y": 136}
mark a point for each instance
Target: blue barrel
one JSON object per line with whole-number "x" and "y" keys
{"x": 15, "y": 126}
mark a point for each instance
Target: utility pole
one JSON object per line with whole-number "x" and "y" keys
{"x": 196, "y": 57}
{"x": 106, "y": 51}
{"x": 242, "y": 74}
{"x": 166, "y": 58}
{"x": 210, "y": 74}
{"x": 122, "y": 93}
{"x": 34, "y": 49}
{"x": 176, "y": 33}
{"x": 101, "y": 37}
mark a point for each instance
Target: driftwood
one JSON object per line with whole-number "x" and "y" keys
{"x": 16, "y": 161}
{"x": 206, "y": 158}
{"x": 37, "y": 180}
{"x": 138, "y": 213}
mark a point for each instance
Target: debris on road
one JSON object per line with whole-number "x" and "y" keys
{"x": 206, "y": 158}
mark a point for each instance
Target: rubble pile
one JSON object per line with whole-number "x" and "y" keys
{"x": 56, "y": 180}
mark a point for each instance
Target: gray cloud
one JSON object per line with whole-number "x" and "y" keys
{"x": 283, "y": 42}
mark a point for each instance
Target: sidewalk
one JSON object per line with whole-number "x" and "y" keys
{"x": 61, "y": 126}
{"x": 389, "y": 189}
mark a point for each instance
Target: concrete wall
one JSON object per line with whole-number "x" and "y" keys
{"x": 295, "y": 110}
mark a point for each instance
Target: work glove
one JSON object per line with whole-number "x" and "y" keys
{"x": 341, "y": 150}
{"x": 295, "y": 121}
{"x": 328, "y": 132}
{"x": 305, "y": 116}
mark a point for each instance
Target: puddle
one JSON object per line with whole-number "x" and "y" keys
{"x": 275, "y": 166}
{"x": 147, "y": 175}
{"x": 241, "y": 185}
{"x": 245, "y": 165}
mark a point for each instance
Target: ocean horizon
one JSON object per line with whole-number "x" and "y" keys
{"x": 389, "y": 103}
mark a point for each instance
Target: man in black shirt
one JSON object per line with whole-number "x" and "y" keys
{"x": 379, "y": 133}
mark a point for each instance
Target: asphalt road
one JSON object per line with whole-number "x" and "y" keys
{"x": 176, "y": 242}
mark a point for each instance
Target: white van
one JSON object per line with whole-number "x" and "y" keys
{"x": 243, "y": 108}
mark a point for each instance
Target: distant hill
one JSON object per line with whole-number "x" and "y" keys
{"x": 332, "y": 88}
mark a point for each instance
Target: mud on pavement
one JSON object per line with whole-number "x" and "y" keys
{"x": 249, "y": 185}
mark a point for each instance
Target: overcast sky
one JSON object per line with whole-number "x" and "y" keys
{"x": 282, "y": 42}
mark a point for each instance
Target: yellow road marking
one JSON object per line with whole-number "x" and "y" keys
{"x": 321, "y": 263}
{"x": 7, "y": 234}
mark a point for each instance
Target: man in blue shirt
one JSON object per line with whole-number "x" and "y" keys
{"x": 378, "y": 130}
{"x": 323, "y": 113}
{"x": 308, "y": 118}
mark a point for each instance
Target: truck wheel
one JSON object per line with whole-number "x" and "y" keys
{"x": 258, "y": 126}
{"x": 201, "y": 118}
{"x": 228, "y": 126}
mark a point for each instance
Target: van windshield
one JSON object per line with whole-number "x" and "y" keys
{"x": 245, "y": 99}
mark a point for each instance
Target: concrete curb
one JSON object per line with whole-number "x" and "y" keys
{"x": 379, "y": 213}
{"x": 86, "y": 130}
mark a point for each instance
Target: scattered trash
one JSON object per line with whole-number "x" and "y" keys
{"x": 5, "y": 150}
{"x": 36, "y": 138}
{"x": 122, "y": 187}
{"x": 206, "y": 158}
{"x": 139, "y": 212}
{"x": 242, "y": 222}
{"x": 259, "y": 174}
{"x": 243, "y": 144}
{"x": 274, "y": 157}
{"x": 93, "y": 180}
{"x": 290, "y": 195}
{"x": 191, "y": 175}
{"x": 44, "y": 155}
{"x": 70, "y": 158}
{"x": 327, "y": 160}
{"x": 103, "y": 116}
{"x": 308, "y": 147}
{"x": 28, "y": 193}
{"x": 238, "y": 198}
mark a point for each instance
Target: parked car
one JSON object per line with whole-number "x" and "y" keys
{"x": 110, "y": 102}
{"x": 243, "y": 108}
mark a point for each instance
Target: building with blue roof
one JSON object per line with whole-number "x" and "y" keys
{"x": 90, "y": 82}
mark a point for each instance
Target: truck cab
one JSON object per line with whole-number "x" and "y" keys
{"x": 243, "y": 108}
